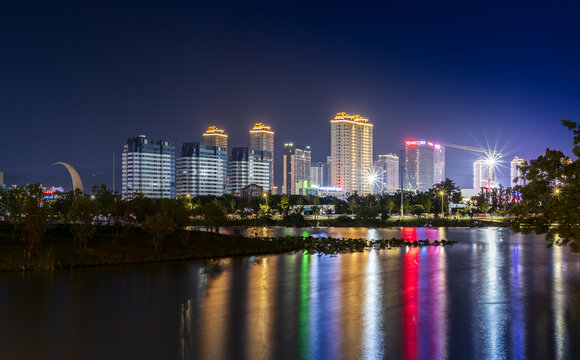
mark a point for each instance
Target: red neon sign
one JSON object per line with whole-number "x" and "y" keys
{"x": 411, "y": 142}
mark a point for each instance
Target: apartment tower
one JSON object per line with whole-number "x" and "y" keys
{"x": 148, "y": 167}
{"x": 297, "y": 161}
{"x": 351, "y": 153}
{"x": 262, "y": 138}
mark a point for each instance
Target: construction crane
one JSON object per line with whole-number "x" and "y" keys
{"x": 492, "y": 156}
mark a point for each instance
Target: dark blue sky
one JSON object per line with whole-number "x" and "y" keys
{"x": 77, "y": 79}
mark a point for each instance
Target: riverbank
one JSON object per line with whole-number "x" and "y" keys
{"x": 132, "y": 246}
{"x": 345, "y": 221}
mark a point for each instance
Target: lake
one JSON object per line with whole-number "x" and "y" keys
{"x": 495, "y": 294}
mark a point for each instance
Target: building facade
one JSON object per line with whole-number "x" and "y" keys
{"x": 216, "y": 137}
{"x": 480, "y": 174}
{"x": 318, "y": 174}
{"x": 516, "y": 172}
{"x": 148, "y": 167}
{"x": 424, "y": 164}
{"x": 249, "y": 166}
{"x": 297, "y": 160}
{"x": 388, "y": 170}
{"x": 351, "y": 153}
{"x": 201, "y": 170}
{"x": 262, "y": 138}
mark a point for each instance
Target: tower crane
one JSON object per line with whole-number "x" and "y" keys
{"x": 492, "y": 156}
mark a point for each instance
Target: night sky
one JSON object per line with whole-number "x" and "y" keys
{"x": 76, "y": 80}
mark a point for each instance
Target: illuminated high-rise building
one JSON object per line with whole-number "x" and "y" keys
{"x": 424, "y": 164}
{"x": 201, "y": 170}
{"x": 318, "y": 174}
{"x": 262, "y": 138}
{"x": 148, "y": 168}
{"x": 480, "y": 174}
{"x": 296, "y": 167}
{"x": 351, "y": 153}
{"x": 328, "y": 172}
{"x": 388, "y": 170}
{"x": 249, "y": 167}
{"x": 516, "y": 172}
{"x": 216, "y": 137}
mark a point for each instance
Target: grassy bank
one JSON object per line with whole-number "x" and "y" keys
{"x": 130, "y": 248}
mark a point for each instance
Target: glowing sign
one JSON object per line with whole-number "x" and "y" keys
{"x": 437, "y": 146}
{"x": 411, "y": 142}
{"x": 422, "y": 142}
{"x": 430, "y": 143}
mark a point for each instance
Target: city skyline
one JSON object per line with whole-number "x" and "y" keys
{"x": 215, "y": 136}
{"x": 453, "y": 78}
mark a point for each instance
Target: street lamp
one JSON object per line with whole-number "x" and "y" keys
{"x": 442, "y": 195}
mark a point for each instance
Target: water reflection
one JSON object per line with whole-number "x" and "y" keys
{"x": 372, "y": 335}
{"x": 493, "y": 295}
{"x": 559, "y": 298}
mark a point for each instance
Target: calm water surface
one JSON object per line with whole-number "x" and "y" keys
{"x": 494, "y": 295}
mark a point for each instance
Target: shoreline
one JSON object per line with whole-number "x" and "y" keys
{"x": 133, "y": 247}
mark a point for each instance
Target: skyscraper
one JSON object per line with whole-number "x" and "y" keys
{"x": 148, "y": 168}
{"x": 201, "y": 170}
{"x": 388, "y": 167}
{"x": 424, "y": 164}
{"x": 328, "y": 172}
{"x": 296, "y": 167}
{"x": 351, "y": 153}
{"x": 318, "y": 174}
{"x": 262, "y": 138}
{"x": 249, "y": 166}
{"x": 216, "y": 137}
{"x": 480, "y": 174}
{"x": 516, "y": 172}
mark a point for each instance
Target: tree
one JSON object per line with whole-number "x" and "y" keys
{"x": 550, "y": 200}
{"x": 417, "y": 209}
{"x": 35, "y": 218}
{"x": 13, "y": 206}
{"x": 284, "y": 205}
{"x": 214, "y": 215}
{"x": 484, "y": 207}
{"x": 316, "y": 207}
{"x": 158, "y": 226}
{"x": 428, "y": 205}
{"x": 81, "y": 215}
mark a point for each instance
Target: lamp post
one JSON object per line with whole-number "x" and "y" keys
{"x": 441, "y": 194}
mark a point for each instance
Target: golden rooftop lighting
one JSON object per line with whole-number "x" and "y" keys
{"x": 259, "y": 127}
{"x": 356, "y": 119}
{"x": 213, "y": 130}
